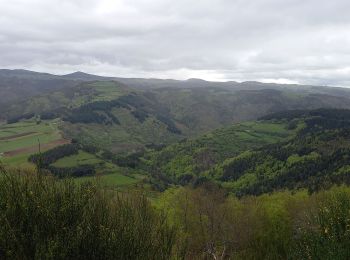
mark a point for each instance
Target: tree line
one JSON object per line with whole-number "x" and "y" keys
{"x": 45, "y": 160}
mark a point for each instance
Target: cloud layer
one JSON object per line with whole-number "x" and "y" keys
{"x": 289, "y": 41}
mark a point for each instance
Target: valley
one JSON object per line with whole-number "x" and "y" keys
{"x": 190, "y": 157}
{"x": 174, "y": 130}
{"x": 167, "y": 131}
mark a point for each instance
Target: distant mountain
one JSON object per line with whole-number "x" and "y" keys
{"x": 152, "y": 83}
{"x": 25, "y": 74}
{"x": 84, "y": 76}
{"x": 17, "y": 86}
{"x": 138, "y": 112}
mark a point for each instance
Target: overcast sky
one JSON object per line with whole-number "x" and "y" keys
{"x": 288, "y": 41}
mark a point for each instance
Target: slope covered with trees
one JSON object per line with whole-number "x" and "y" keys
{"x": 287, "y": 150}
{"x": 138, "y": 112}
{"x": 317, "y": 157}
{"x": 187, "y": 160}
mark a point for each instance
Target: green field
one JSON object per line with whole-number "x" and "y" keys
{"x": 107, "y": 90}
{"x": 18, "y": 160}
{"x": 82, "y": 158}
{"x": 111, "y": 180}
{"x": 19, "y": 140}
{"x": 107, "y": 173}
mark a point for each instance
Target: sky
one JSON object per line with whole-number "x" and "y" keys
{"x": 281, "y": 41}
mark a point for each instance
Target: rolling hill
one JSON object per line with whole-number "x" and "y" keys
{"x": 128, "y": 117}
{"x": 287, "y": 150}
{"x": 140, "y": 112}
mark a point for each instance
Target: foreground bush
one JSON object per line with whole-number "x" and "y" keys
{"x": 42, "y": 218}
{"x": 215, "y": 225}
{"x": 327, "y": 233}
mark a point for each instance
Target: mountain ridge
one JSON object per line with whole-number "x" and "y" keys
{"x": 80, "y": 75}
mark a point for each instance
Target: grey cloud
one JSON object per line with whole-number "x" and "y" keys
{"x": 292, "y": 40}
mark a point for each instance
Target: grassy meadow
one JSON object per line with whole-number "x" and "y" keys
{"x": 107, "y": 90}
{"x": 82, "y": 158}
{"x": 107, "y": 173}
{"x": 19, "y": 140}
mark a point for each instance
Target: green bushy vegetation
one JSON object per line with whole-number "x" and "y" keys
{"x": 214, "y": 225}
{"x": 45, "y": 218}
{"x": 42, "y": 218}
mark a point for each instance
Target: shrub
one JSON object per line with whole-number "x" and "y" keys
{"x": 327, "y": 235}
{"x": 42, "y": 218}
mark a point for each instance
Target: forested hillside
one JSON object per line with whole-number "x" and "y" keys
{"x": 287, "y": 150}
{"x": 202, "y": 170}
{"x": 134, "y": 113}
{"x": 188, "y": 160}
{"x": 173, "y": 132}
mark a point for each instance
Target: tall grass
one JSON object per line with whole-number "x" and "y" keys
{"x": 42, "y": 218}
